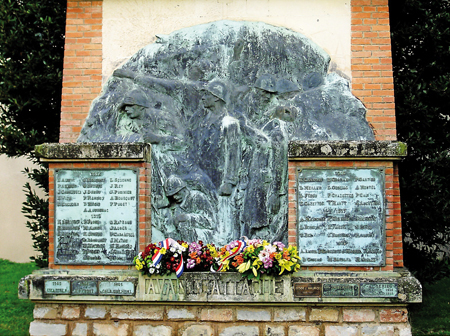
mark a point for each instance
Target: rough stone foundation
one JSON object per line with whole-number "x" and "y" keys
{"x": 229, "y": 320}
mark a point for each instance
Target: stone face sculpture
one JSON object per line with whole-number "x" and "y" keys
{"x": 219, "y": 102}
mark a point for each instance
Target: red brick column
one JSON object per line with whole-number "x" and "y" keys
{"x": 372, "y": 80}
{"x": 82, "y": 74}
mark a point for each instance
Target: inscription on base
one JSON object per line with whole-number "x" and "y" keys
{"x": 95, "y": 216}
{"x": 341, "y": 217}
{"x": 340, "y": 290}
{"x": 116, "y": 288}
{"x": 307, "y": 289}
{"x": 379, "y": 290}
{"x": 59, "y": 287}
{"x": 84, "y": 288}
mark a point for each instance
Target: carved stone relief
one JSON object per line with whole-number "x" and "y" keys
{"x": 220, "y": 102}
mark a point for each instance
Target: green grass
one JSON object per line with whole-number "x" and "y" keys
{"x": 432, "y": 317}
{"x": 15, "y": 314}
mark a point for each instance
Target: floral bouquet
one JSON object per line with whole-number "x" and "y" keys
{"x": 163, "y": 258}
{"x": 201, "y": 257}
{"x": 254, "y": 257}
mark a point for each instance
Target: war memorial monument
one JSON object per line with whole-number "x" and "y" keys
{"x": 225, "y": 122}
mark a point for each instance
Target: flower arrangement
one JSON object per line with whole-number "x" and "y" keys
{"x": 255, "y": 257}
{"x": 201, "y": 257}
{"x": 163, "y": 258}
{"x": 252, "y": 258}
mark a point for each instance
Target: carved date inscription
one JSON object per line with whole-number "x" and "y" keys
{"x": 95, "y": 216}
{"x": 341, "y": 217}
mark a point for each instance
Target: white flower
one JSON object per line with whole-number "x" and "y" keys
{"x": 175, "y": 255}
{"x": 158, "y": 266}
{"x": 152, "y": 270}
{"x": 172, "y": 249}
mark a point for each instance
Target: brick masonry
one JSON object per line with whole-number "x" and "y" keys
{"x": 180, "y": 320}
{"x": 394, "y": 247}
{"x": 143, "y": 206}
{"x": 372, "y": 80}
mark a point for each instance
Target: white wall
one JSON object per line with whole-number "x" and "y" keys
{"x": 129, "y": 25}
{"x": 15, "y": 239}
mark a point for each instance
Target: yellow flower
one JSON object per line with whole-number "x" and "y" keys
{"x": 278, "y": 256}
{"x": 285, "y": 265}
{"x": 244, "y": 267}
{"x": 163, "y": 250}
{"x": 250, "y": 249}
{"x": 185, "y": 245}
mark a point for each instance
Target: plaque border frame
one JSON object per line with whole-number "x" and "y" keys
{"x": 56, "y": 261}
{"x": 383, "y": 229}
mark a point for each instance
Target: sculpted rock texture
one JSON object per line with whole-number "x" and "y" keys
{"x": 220, "y": 102}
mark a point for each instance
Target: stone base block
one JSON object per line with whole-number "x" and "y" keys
{"x": 163, "y": 319}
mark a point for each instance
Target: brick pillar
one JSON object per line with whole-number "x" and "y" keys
{"x": 82, "y": 74}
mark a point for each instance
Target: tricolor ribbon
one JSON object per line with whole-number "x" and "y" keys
{"x": 167, "y": 244}
{"x": 240, "y": 247}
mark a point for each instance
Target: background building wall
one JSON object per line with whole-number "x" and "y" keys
{"x": 15, "y": 239}
{"x": 101, "y": 35}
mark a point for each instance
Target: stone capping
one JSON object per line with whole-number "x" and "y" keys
{"x": 344, "y": 150}
{"x": 57, "y": 152}
{"x": 166, "y": 289}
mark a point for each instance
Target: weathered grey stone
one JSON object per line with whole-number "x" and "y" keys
{"x": 346, "y": 149}
{"x": 289, "y": 314}
{"x": 273, "y": 330}
{"x": 137, "y": 312}
{"x": 45, "y": 312}
{"x": 80, "y": 329}
{"x": 225, "y": 139}
{"x": 182, "y": 313}
{"x": 149, "y": 330}
{"x": 358, "y": 315}
{"x": 324, "y": 314}
{"x": 47, "y": 329}
{"x": 217, "y": 314}
{"x": 404, "y": 330}
{"x": 24, "y": 287}
{"x": 74, "y": 151}
{"x": 108, "y": 329}
{"x": 253, "y": 314}
{"x": 341, "y": 331}
{"x": 303, "y": 331}
{"x": 70, "y": 312}
{"x": 227, "y": 287}
{"x": 95, "y": 312}
{"x": 197, "y": 330}
{"x": 240, "y": 331}
{"x": 377, "y": 330}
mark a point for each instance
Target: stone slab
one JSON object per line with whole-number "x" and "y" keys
{"x": 220, "y": 287}
{"x": 94, "y": 151}
{"x": 341, "y": 216}
{"x": 346, "y": 150}
{"x": 96, "y": 216}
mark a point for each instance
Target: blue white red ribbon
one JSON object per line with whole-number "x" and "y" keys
{"x": 167, "y": 244}
{"x": 240, "y": 247}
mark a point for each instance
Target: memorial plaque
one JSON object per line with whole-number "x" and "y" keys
{"x": 340, "y": 290}
{"x": 307, "y": 289}
{"x": 84, "y": 288}
{"x": 57, "y": 287}
{"x": 96, "y": 216}
{"x": 341, "y": 217}
{"x": 116, "y": 288}
{"x": 379, "y": 290}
